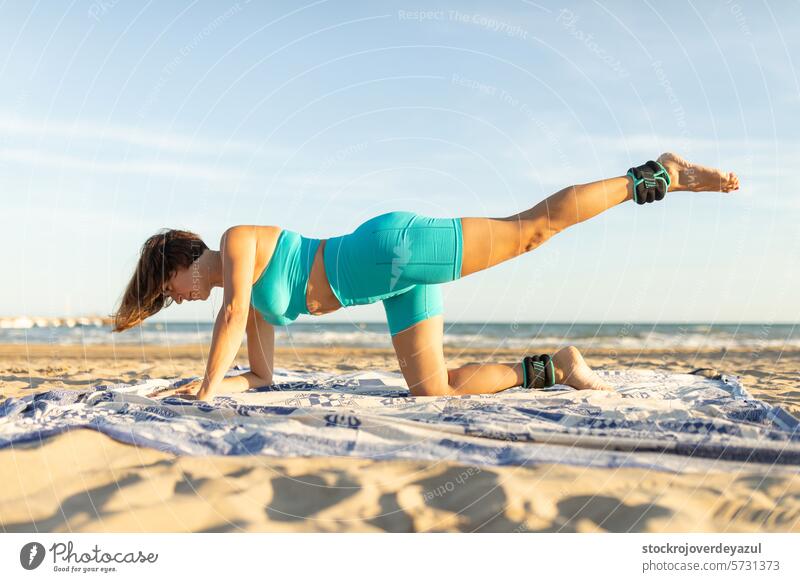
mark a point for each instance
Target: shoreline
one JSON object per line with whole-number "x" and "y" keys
{"x": 103, "y": 350}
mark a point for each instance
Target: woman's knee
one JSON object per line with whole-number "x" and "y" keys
{"x": 421, "y": 359}
{"x": 431, "y": 387}
{"x": 424, "y": 380}
{"x": 447, "y": 384}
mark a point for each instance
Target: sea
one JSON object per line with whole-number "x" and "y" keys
{"x": 755, "y": 336}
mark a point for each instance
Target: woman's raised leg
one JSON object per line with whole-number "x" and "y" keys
{"x": 489, "y": 241}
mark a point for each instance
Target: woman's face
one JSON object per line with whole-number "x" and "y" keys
{"x": 187, "y": 285}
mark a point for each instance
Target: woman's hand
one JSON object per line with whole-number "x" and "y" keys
{"x": 189, "y": 391}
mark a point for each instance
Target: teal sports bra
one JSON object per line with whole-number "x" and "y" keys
{"x": 280, "y": 292}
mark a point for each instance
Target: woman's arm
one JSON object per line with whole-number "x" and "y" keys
{"x": 260, "y": 346}
{"x": 238, "y": 252}
{"x": 260, "y": 352}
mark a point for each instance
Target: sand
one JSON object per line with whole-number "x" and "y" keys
{"x": 85, "y": 481}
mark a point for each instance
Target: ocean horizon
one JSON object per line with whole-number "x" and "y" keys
{"x": 602, "y": 335}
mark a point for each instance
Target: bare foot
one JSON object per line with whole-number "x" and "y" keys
{"x": 685, "y": 175}
{"x": 572, "y": 370}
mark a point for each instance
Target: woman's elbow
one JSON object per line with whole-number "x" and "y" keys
{"x": 235, "y": 315}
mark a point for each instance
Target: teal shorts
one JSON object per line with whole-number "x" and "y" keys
{"x": 399, "y": 258}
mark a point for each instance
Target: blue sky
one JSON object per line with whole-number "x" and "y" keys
{"x": 118, "y": 118}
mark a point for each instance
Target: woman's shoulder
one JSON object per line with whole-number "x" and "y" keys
{"x": 242, "y": 235}
{"x": 255, "y": 232}
{"x": 264, "y": 238}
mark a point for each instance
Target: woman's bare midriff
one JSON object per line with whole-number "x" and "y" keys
{"x": 319, "y": 295}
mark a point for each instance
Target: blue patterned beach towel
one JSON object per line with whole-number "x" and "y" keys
{"x": 669, "y": 422}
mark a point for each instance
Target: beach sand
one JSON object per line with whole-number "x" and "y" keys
{"x": 87, "y": 482}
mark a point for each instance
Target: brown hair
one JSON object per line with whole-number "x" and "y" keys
{"x": 161, "y": 256}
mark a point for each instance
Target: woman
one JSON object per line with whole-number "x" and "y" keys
{"x": 271, "y": 275}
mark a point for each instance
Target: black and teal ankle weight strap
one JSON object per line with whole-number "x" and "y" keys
{"x": 538, "y": 372}
{"x": 650, "y": 182}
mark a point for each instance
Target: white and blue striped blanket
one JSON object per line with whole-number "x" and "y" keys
{"x": 669, "y": 422}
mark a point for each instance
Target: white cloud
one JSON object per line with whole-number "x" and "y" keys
{"x": 135, "y": 136}
{"x": 160, "y": 168}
